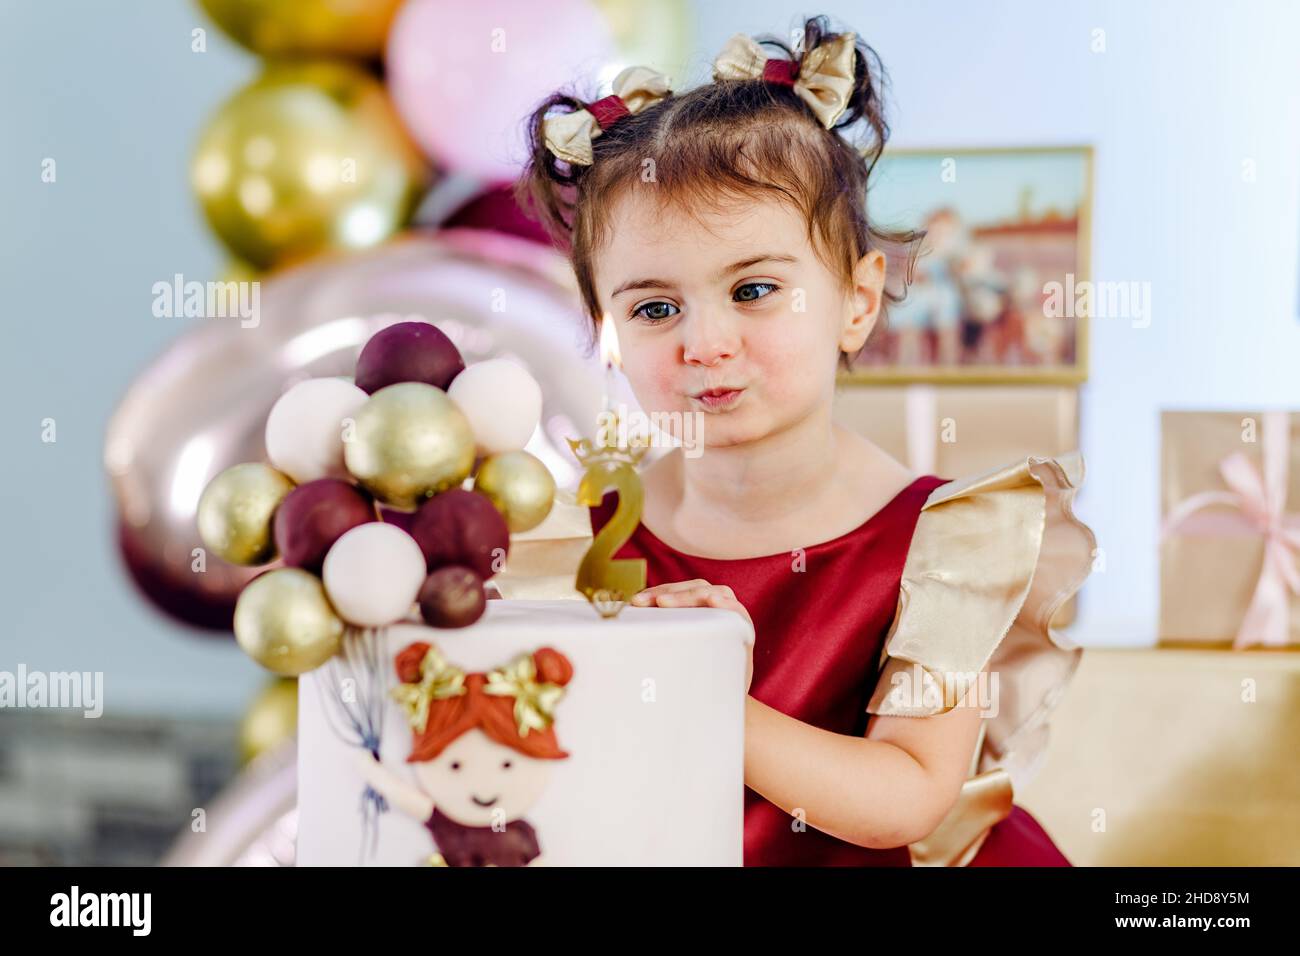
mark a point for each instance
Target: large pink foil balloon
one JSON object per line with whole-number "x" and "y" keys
{"x": 464, "y": 76}
{"x": 202, "y": 405}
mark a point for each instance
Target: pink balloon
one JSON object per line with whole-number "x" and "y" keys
{"x": 465, "y": 76}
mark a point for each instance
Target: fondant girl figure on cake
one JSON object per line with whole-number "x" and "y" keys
{"x": 481, "y": 752}
{"x": 904, "y": 665}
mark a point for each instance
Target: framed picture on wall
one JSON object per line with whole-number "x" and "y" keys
{"x": 997, "y": 291}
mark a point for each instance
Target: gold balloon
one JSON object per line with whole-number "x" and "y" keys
{"x": 409, "y": 443}
{"x": 235, "y": 511}
{"x": 521, "y": 487}
{"x": 271, "y": 719}
{"x": 310, "y": 157}
{"x": 284, "y": 621}
{"x": 298, "y": 27}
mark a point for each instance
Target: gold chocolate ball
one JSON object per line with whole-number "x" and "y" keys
{"x": 284, "y": 621}
{"x": 410, "y": 442}
{"x": 521, "y": 487}
{"x": 235, "y": 512}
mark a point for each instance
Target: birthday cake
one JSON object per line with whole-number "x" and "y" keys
{"x": 542, "y": 734}
{"x": 473, "y": 691}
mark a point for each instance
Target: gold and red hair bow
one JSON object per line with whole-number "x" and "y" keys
{"x": 535, "y": 700}
{"x": 569, "y": 135}
{"x": 823, "y": 78}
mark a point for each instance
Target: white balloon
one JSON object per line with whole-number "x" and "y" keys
{"x": 502, "y": 401}
{"x": 304, "y": 432}
{"x": 373, "y": 574}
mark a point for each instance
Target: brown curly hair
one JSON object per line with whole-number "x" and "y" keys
{"x": 726, "y": 140}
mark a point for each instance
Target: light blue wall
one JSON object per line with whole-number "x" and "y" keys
{"x": 113, "y": 94}
{"x": 1184, "y": 93}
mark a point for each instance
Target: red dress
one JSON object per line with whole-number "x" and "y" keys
{"x": 819, "y": 633}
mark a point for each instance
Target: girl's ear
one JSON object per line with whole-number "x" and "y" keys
{"x": 864, "y": 303}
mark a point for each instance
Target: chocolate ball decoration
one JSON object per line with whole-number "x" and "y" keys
{"x": 452, "y": 596}
{"x": 394, "y": 516}
{"x": 462, "y": 527}
{"x": 410, "y": 442}
{"x": 314, "y": 516}
{"x": 408, "y": 352}
{"x": 235, "y": 512}
{"x": 373, "y": 574}
{"x": 284, "y": 621}
{"x": 521, "y": 487}
{"x": 502, "y": 401}
{"x": 304, "y": 431}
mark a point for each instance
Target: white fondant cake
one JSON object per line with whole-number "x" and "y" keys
{"x": 651, "y": 718}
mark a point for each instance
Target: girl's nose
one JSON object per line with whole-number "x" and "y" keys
{"x": 709, "y": 339}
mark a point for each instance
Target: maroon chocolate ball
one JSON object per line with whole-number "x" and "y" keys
{"x": 452, "y": 596}
{"x": 315, "y": 515}
{"x": 408, "y": 352}
{"x": 461, "y": 527}
{"x": 403, "y": 519}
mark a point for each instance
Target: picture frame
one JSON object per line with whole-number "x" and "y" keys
{"x": 1008, "y": 240}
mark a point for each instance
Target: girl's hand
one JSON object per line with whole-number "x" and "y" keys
{"x": 699, "y": 593}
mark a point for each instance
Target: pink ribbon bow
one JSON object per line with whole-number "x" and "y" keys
{"x": 1259, "y": 498}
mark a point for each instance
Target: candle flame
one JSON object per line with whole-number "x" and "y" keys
{"x": 609, "y": 354}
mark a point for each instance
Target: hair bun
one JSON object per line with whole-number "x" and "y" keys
{"x": 552, "y": 666}
{"x": 407, "y": 662}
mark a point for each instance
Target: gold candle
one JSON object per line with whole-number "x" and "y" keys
{"x": 609, "y": 584}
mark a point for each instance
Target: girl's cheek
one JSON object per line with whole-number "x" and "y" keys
{"x": 654, "y": 377}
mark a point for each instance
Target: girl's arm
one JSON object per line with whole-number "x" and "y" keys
{"x": 888, "y": 789}
{"x": 401, "y": 794}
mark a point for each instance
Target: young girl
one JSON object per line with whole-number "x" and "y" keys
{"x": 480, "y": 753}
{"x": 724, "y": 232}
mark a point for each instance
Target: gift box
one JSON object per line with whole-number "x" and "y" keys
{"x": 1230, "y": 529}
{"x": 543, "y": 562}
{"x": 958, "y": 430}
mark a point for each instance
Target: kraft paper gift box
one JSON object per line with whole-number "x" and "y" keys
{"x": 1230, "y": 529}
{"x": 543, "y": 562}
{"x": 957, "y": 430}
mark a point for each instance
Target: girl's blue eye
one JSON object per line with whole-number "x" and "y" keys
{"x": 742, "y": 297}
{"x": 658, "y": 316}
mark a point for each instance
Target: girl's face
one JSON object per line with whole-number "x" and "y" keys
{"x": 737, "y": 301}
{"x": 477, "y": 781}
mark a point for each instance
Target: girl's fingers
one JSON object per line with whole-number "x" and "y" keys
{"x": 677, "y": 586}
{"x": 682, "y": 597}
{"x": 648, "y": 595}
{"x": 730, "y": 603}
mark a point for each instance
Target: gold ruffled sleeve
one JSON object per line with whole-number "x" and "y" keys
{"x": 993, "y": 557}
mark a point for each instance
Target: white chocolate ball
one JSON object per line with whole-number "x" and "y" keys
{"x": 304, "y": 432}
{"x": 373, "y": 574}
{"x": 502, "y": 402}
